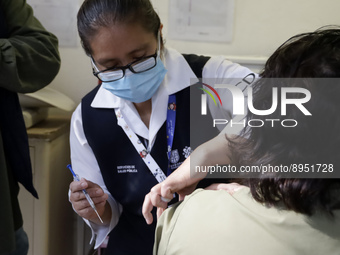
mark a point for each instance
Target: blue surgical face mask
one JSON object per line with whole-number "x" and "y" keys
{"x": 139, "y": 87}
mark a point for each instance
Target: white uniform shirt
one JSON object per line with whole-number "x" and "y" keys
{"x": 178, "y": 77}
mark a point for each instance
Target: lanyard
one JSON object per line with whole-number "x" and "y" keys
{"x": 170, "y": 127}
{"x": 140, "y": 148}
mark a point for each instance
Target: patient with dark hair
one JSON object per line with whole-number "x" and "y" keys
{"x": 280, "y": 212}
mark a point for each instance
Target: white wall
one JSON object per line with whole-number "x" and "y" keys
{"x": 260, "y": 26}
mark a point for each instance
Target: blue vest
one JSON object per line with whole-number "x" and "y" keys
{"x": 125, "y": 174}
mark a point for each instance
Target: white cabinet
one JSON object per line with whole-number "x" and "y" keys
{"x": 50, "y": 221}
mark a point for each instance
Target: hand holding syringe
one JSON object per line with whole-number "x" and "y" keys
{"x": 76, "y": 178}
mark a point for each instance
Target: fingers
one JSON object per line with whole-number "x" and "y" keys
{"x": 79, "y": 201}
{"x": 180, "y": 181}
{"x": 213, "y": 186}
{"x": 147, "y": 208}
{"x": 77, "y": 186}
{"x": 181, "y": 197}
{"x": 88, "y": 212}
{"x": 159, "y": 212}
{"x": 166, "y": 200}
{"x": 173, "y": 183}
{"x": 83, "y": 203}
{"x": 229, "y": 187}
{"x": 162, "y": 194}
{"x": 92, "y": 189}
{"x": 153, "y": 199}
{"x": 157, "y": 200}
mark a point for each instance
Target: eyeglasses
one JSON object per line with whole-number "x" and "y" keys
{"x": 113, "y": 74}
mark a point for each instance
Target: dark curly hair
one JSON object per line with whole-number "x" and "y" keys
{"x": 308, "y": 58}
{"x": 94, "y": 14}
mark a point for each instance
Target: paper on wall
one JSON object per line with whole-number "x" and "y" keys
{"x": 58, "y": 17}
{"x": 201, "y": 20}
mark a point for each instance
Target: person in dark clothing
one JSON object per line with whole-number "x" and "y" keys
{"x": 29, "y": 60}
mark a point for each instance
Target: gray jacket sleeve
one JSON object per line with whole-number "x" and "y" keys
{"x": 29, "y": 57}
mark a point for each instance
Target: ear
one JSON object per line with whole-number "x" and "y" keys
{"x": 160, "y": 30}
{"x": 161, "y": 37}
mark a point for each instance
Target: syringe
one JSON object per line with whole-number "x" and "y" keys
{"x": 76, "y": 177}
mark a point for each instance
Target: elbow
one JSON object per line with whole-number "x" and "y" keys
{"x": 42, "y": 77}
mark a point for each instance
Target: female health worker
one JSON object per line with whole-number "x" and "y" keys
{"x": 123, "y": 129}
